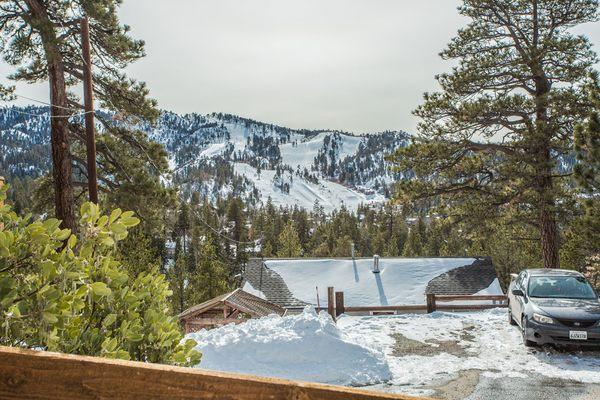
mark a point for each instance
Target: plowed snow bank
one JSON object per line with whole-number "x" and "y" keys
{"x": 307, "y": 347}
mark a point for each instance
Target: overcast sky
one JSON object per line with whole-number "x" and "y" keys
{"x": 354, "y": 65}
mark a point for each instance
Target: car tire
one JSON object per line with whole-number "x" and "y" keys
{"x": 526, "y": 342}
{"x": 511, "y": 320}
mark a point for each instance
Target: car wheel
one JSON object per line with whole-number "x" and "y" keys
{"x": 526, "y": 342}
{"x": 511, "y": 320}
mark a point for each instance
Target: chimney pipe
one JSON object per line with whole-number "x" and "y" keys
{"x": 376, "y": 264}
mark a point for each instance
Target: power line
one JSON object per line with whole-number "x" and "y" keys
{"x": 41, "y": 102}
{"x": 45, "y": 115}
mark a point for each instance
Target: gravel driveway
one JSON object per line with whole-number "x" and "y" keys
{"x": 472, "y": 356}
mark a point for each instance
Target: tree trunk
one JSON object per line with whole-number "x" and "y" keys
{"x": 61, "y": 156}
{"x": 549, "y": 239}
{"x": 59, "y": 138}
{"x": 544, "y": 166}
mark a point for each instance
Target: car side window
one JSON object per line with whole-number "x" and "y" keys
{"x": 521, "y": 281}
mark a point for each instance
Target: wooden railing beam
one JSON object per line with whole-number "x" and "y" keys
{"x": 444, "y": 298}
{"x": 28, "y": 374}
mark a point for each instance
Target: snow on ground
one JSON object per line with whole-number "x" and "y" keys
{"x": 493, "y": 289}
{"x": 401, "y": 280}
{"x": 307, "y": 347}
{"x": 303, "y": 152}
{"x": 213, "y": 149}
{"x": 330, "y": 195}
{"x": 238, "y": 135}
{"x": 484, "y": 341}
{"x": 364, "y": 351}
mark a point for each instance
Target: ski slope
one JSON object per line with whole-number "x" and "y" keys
{"x": 302, "y": 193}
{"x": 302, "y": 152}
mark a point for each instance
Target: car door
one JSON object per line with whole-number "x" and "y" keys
{"x": 518, "y": 303}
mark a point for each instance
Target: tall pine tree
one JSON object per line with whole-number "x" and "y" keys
{"x": 489, "y": 142}
{"x": 42, "y": 40}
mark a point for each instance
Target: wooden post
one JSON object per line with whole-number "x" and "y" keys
{"x": 318, "y": 301}
{"x": 330, "y": 304}
{"x": 88, "y": 100}
{"x": 430, "y": 302}
{"x": 339, "y": 304}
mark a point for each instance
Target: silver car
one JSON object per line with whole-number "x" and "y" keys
{"x": 554, "y": 306}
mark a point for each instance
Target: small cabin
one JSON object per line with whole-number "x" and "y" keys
{"x": 233, "y": 307}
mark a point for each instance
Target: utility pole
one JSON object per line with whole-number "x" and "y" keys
{"x": 88, "y": 99}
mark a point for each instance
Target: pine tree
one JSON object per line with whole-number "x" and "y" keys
{"x": 393, "y": 250}
{"x": 434, "y": 240}
{"x": 587, "y": 141}
{"x": 587, "y": 173}
{"x": 488, "y": 144}
{"x": 342, "y": 247}
{"x": 414, "y": 245}
{"x": 128, "y": 162}
{"x": 289, "y": 242}
{"x": 210, "y": 279}
{"x": 239, "y": 232}
{"x": 177, "y": 276}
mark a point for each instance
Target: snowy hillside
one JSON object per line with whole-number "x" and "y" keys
{"x": 292, "y": 167}
{"x": 330, "y": 195}
{"x": 219, "y": 154}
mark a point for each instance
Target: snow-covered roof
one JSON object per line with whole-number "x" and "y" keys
{"x": 401, "y": 281}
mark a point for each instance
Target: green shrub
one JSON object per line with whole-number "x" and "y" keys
{"x": 68, "y": 293}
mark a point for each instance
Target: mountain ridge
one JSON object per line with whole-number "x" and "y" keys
{"x": 218, "y": 154}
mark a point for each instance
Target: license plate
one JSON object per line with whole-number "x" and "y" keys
{"x": 578, "y": 335}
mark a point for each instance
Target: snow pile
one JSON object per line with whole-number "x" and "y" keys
{"x": 401, "y": 280}
{"x": 305, "y": 347}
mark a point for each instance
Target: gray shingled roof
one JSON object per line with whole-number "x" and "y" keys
{"x": 270, "y": 283}
{"x": 468, "y": 279}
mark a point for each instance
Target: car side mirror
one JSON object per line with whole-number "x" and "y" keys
{"x": 518, "y": 292}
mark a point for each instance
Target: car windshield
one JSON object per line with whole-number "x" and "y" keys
{"x": 564, "y": 287}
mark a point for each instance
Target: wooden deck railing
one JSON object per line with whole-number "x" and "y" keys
{"x": 432, "y": 305}
{"x": 28, "y": 374}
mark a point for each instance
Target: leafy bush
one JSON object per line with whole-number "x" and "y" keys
{"x": 68, "y": 293}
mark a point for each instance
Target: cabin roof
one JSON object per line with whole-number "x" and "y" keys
{"x": 238, "y": 299}
{"x": 294, "y": 283}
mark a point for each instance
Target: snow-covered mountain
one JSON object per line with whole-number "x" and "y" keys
{"x": 218, "y": 154}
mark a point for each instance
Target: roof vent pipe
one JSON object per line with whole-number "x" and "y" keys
{"x": 376, "y": 264}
